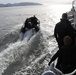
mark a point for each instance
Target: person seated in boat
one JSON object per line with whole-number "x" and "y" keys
{"x": 66, "y": 56}
{"x": 27, "y": 25}
{"x": 35, "y": 22}
{"x": 32, "y": 22}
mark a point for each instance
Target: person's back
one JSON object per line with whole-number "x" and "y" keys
{"x": 62, "y": 29}
{"x": 66, "y": 56}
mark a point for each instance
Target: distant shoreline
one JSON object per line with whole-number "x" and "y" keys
{"x": 19, "y": 4}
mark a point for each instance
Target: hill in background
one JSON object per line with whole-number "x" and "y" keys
{"x": 19, "y": 4}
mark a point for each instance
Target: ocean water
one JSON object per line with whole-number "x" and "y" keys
{"x": 31, "y": 57}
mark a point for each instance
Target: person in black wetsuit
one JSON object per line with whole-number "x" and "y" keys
{"x": 35, "y": 22}
{"x": 30, "y": 23}
{"x": 27, "y": 25}
{"x": 62, "y": 29}
{"x": 66, "y": 56}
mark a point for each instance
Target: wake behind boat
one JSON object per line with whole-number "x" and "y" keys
{"x": 30, "y": 27}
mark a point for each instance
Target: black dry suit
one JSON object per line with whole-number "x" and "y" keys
{"x": 66, "y": 57}
{"x": 62, "y": 29}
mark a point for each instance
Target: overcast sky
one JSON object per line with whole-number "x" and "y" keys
{"x": 37, "y": 1}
